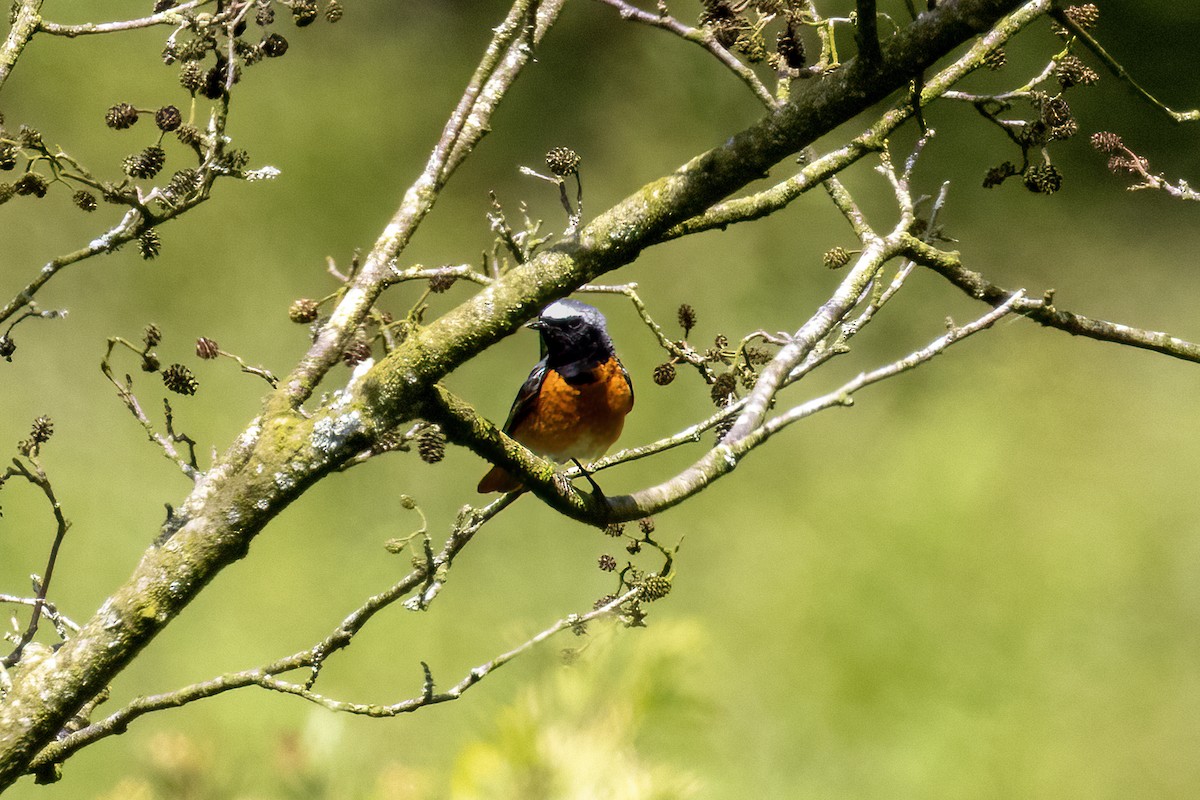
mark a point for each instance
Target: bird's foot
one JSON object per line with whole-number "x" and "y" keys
{"x": 599, "y": 493}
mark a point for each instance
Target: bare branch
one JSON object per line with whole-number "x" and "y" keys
{"x": 725, "y": 457}
{"x": 283, "y": 452}
{"x": 24, "y": 25}
{"x": 876, "y": 252}
{"x": 125, "y": 392}
{"x": 763, "y": 203}
{"x": 509, "y": 51}
{"x": 266, "y": 677}
{"x": 678, "y": 350}
{"x": 172, "y": 16}
{"x": 50, "y": 611}
{"x": 702, "y": 37}
{"x": 134, "y": 222}
{"x": 1118, "y": 70}
{"x": 1122, "y": 159}
{"x": 976, "y": 285}
{"x": 37, "y": 476}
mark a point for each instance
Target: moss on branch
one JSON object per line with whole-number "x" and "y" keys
{"x": 283, "y": 454}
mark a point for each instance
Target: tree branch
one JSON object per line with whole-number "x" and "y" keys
{"x": 266, "y": 677}
{"x": 767, "y": 201}
{"x": 510, "y": 50}
{"x": 976, "y": 285}
{"x": 702, "y": 37}
{"x": 172, "y": 16}
{"x": 866, "y": 31}
{"x": 37, "y": 476}
{"x": 725, "y": 457}
{"x": 283, "y": 452}
{"x": 24, "y": 25}
{"x": 134, "y": 222}
{"x": 1119, "y": 71}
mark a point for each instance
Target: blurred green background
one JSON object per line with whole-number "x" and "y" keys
{"x": 981, "y": 581}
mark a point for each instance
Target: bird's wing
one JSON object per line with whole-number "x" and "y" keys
{"x": 526, "y": 397}
{"x": 628, "y": 381}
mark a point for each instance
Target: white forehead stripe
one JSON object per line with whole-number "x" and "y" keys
{"x": 560, "y": 310}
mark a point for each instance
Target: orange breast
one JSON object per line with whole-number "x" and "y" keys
{"x": 570, "y": 421}
{"x": 577, "y": 421}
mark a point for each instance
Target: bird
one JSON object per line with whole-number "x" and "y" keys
{"x": 573, "y": 404}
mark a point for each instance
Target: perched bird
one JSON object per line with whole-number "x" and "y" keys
{"x": 573, "y": 404}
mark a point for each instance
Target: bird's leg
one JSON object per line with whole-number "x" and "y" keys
{"x": 595, "y": 486}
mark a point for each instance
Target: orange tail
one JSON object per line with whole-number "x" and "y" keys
{"x": 497, "y": 480}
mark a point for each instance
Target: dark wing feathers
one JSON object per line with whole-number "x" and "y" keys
{"x": 526, "y": 397}
{"x": 628, "y": 381}
{"x": 528, "y": 394}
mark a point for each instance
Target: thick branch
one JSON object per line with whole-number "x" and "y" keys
{"x": 25, "y": 24}
{"x": 276, "y": 460}
{"x": 767, "y": 201}
{"x": 702, "y": 37}
{"x": 509, "y": 52}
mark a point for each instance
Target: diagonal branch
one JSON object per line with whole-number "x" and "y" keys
{"x": 767, "y": 201}
{"x": 509, "y": 52}
{"x": 726, "y": 456}
{"x": 134, "y": 222}
{"x": 1119, "y": 70}
{"x": 24, "y": 25}
{"x": 266, "y": 677}
{"x": 284, "y": 453}
{"x": 125, "y": 393}
{"x": 702, "y": 37}
{"x": 877, "y": 251}
{"x": 950, "y": 267}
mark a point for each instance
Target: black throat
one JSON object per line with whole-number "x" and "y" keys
{"x": 576, "y": 355}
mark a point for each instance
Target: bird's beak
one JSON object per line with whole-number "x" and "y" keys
{"x": 535, "y": 325}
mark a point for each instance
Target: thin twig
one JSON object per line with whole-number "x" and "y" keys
{"x": 1135, "y": 164}
{"x": 125, "y": 392}
{"x": 179, "y": 437}
{"x": 725, "y": 457}
{"x": 511, "y": 48}
{"x": 134, "y": 222}
{"x": 265, "y": 677}
{"x": 1118, "y": 70}
{"x": 172, "y": 16}
{"x": 50, "y": 611}
{"x": 265, "y": 374}
{"x": 772, "y": 199}
{"x": 678, "y": 350}
{"x": 704, "y": 38}
{"x": 428, "y": 696}
{"x": 37, "y": 476}
{"x": 876, "y": 252}
{"x": 843, "y": 395}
